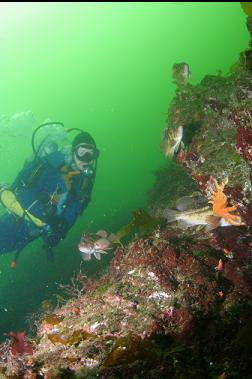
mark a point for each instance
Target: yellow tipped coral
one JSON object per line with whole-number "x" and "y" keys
{"x": 219, "y": 201}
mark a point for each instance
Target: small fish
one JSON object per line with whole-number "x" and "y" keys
{"x": 171, "y": 141}
{"x": 188, "y": 214}
{"x": 95, "y": 244}
{"x": 181, "y": 73}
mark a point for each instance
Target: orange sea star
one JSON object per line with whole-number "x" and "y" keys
{"x": 219, "y": 201}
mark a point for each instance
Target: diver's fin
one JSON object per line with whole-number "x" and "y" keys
{"x": 213, "y": 223}
{"x": 97, "y": 256}
{"x": 169, "y": 214}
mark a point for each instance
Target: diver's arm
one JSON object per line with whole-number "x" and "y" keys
{"x": 55, "y": 231}
{"x": 69, "y": 210}
{"x": 59, "y": 225}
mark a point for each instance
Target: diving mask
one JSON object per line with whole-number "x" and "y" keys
{"x": 86, "y": 153}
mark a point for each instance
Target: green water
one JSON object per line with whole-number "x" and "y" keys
{"x": 105, "y": 68}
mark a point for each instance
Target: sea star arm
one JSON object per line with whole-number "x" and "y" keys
{"x": 219, "y": 201}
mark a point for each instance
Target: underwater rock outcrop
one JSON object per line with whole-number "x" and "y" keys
{"x": 163, "y": 310}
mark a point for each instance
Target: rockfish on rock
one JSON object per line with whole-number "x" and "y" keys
{"x": 171, "y": 141}
{"x": 189, "y": 213}
{"x": 181, "y": 73}
{"x": 96, "y": 244}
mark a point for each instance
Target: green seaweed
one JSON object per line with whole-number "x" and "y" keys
{"x": 141, "y": 221}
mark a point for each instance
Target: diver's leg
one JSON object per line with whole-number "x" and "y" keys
{"x": 14, "y": 233}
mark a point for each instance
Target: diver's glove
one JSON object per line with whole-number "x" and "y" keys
{"x": 55, "y": 231}
{"x": 51, "y": 240}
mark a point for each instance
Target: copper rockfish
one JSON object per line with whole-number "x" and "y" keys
{"x": 95, "y": 244}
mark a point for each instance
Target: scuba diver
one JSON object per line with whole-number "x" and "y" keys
{"x": 49, "y": 193}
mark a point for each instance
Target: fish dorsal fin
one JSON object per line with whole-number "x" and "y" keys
{"x": 177, "y": 146}
{"x": 195, "y": 201}
{"x": 213, "y": 223}
{"x": 102, "y": 233}
{"x": 185, "y": 203}
{"x": 97, "y": 256}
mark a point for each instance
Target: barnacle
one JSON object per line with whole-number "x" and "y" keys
{"x": 219, "y": 201}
